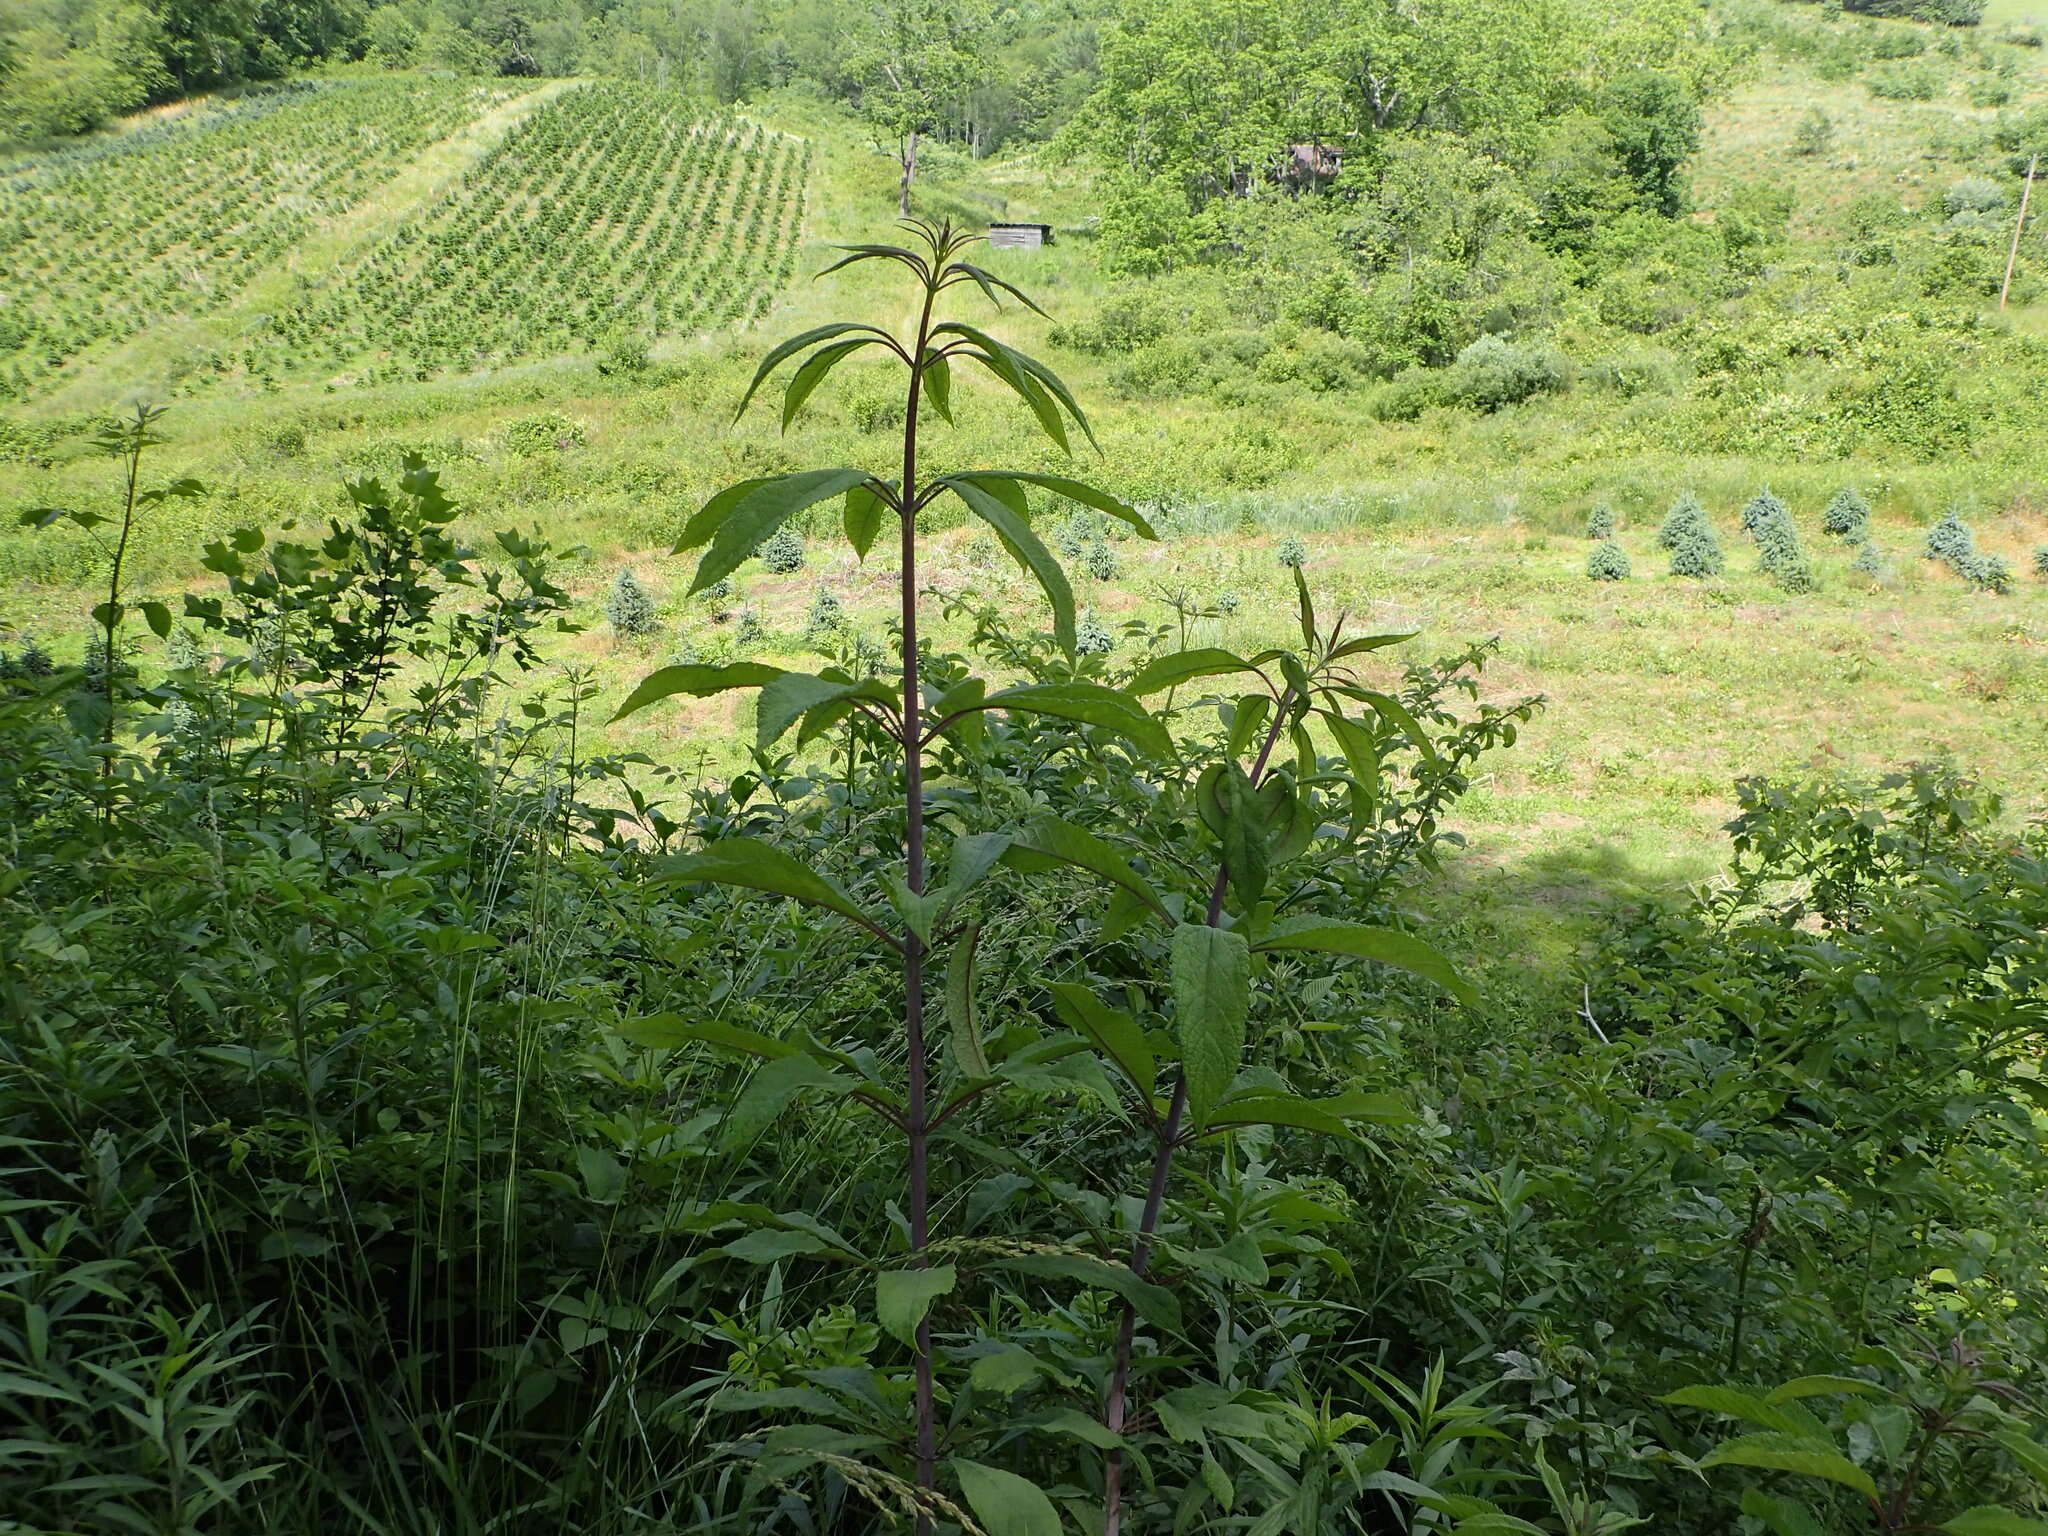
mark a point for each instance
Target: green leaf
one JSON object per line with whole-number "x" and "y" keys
{"x": 938, "y": 383}
{"x": 735, "y": 528}
{"x": 1991, "y": 1520}
{"x": 1366, "y": 643}
{"x": 1823, "y": 1386}
{"x": 2030, "y": 1454}
{"x": 697, "y": 682}
{"x": 1238, "y": 1260}
{"x": 1007, "y": 366}
{"x": 863, "y": 517}
{"x": 1068, "y": 488}
{"x": 1804, "y": 1455}
{"x": 1029, "y": 552}
{"x": 1211, "y": 977}
{"x": 1230, "y": 808}
{"x": 788, "y": 349}
{"x": 1155, "y": 1303}
{"x": 759, "y": 866}
{"x": 807, "y": 378}
{"x": 1114, "y": 1033}
{"x": 666, "y": 1031}
{"x": 972, "y": 857}
{"x": 770, "y": 1090}
{"x": 1782, "y": 1517}
{"x": 773, "y": 1247}
{"x": 1008, "y": 1370}
{"x": 107, "y": 615}
{"x": 1004, "y": 1503}
{"x": 1033, "y": 370}
{"x": 1734, "y": 1403}
{"x": 1388, "y": 946}
{"x": 1051, "y": 838}
{"x": 1328, "y": 1116}
{"x": 1090, "y": 704}
{"x": 795, "y": 694}
{"x": 961, "y": 1021}
{"x": 1394, "y": 712}
{"x": 989, "y": 283}
{"x": 904, "y": 1296}
{"x": 1164, "y": 672}
{"x": 158, "y": 616}
{"x": 1307, "y": 609}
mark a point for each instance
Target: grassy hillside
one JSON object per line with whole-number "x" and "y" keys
{"x": 1458, "y": 525}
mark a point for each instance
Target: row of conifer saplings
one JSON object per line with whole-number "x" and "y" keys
{"x": 1688, "y": 536}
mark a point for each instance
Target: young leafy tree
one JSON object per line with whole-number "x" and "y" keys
{"x": 735, "y": 522}
{"x": 124, "y": 441}
{"x": 1260, "y": 818}
{"x": 916, "y": 60}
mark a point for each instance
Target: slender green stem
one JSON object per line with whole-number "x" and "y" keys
{"x": 917, "y": 1125}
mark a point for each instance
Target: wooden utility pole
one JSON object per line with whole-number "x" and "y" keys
{"x": 2012, "y": 256}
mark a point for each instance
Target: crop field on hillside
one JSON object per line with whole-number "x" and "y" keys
{"x": 614, "y": 214}
{"x": 174, "y": 218}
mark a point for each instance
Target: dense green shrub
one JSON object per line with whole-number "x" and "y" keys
{"x": 1904, "y": 82}
{"x": 629, "y": 608}
{"x": 2041, "y": 563}
{"x": 1868, "y": 562}
{"x": 1973, "y": 194}
{"x": 825, "y": 622}
{"x": 1779, "y": 551}
{"x": 1689, "y": 536}
{"x": 1600, "y": 522}
{"x": 545, "y": 432}
{"x": 1815, "y": 135}
{"x": 1493, "y": 372}
{"x": 782, "y": 552}
{"x": 1847, "y": 515}
{"x": 1608, "y": 562}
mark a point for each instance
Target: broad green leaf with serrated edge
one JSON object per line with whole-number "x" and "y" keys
{"x": 807, "y": 378}
{"x": 1090, "y": 704}
{"x": 1823, "y": 1386}
{"x": 1155, "y": 1303}
{"x": 1781, "y": 1517}
{"x": 2030, "y": 1454}
{"x": 1115, "y": 1033}
{"x": 863, "y": 518}
{"x": 770, "y": 1090}
{"x": 794, "y": 694}
{"x": 1004, "y": 1503}
{"x": 1164, "y": 672}
{"x": 666, "y": 1031}
{"x": 1051, "y": 838}
{"x": 1069, "y": 489}
{"x": 1210, "y": 970}
{"x": 758, "y": 866}
{"x": 697, "y": 682}
{"x": 752, "y": 517}
{"x": 783, "y": 351}
{"x": 1389, "y": 946}
{"x": 904, "y": 1296}
{"x": 1008, "y": 1370}
{"x": 1028, "y": 551}
{"x": 938, "y": 384}
{"x": 772, "y": 1247}
{"x": 1734, "y": 1403}
{"x": 962, "y": 1024}
{"x": 1801, "y": 1454}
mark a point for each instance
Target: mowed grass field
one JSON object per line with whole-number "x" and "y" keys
{"x": 1660, "y": 691}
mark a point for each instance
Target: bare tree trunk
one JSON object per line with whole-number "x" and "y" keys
{"x": 909, "y": 170}
{"x": 2019, "y": 226}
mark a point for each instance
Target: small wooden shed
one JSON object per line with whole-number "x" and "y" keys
{"x": 1028, "y": 237}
